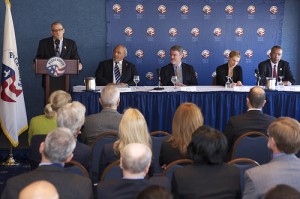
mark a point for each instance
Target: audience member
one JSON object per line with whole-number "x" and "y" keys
{"x": 56, "y": 150}
{"x": 275, "y": 67}
{"x": 39, "y": 190}
{"x": 107, "y": 120}
{"x": 282, "y": 191}
{"x": 187, "y": 119}
{"x": 133, "y": 129}
{"x": 135, "y": 162}
{"x": 116, "y": 70}
{"x": 253, "y": 120}
{"x": 284, "y": 168}
{"x": 208, "y": 177}
{"x": 185, "y": 73}
{"x": 155, "y": 192}
{"x": 57, "y": 45}
{"x": 72, "y": 116}
{"x": 230, "y": 69}
{"x": 43, "y": 124}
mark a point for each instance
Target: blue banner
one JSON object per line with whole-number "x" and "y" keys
{"x": 207, "y": 30}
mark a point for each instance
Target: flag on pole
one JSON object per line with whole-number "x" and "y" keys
{"x": 13, "y": 116}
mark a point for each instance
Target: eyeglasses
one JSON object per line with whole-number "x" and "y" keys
{"x": 57, "y": 30}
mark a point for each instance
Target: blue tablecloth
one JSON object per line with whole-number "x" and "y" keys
{"x": 217, "y": 107}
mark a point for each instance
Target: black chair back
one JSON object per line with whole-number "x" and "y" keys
{"x": 34, "y": 150}
{"x": 168, "y": 172}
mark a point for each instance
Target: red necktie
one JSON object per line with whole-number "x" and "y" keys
{"x": 274, "y": 72}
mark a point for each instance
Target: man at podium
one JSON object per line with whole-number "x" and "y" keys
{"x": 57, "y": 45}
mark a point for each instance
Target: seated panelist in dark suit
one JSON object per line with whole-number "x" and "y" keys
{"x": 57, "y": 45}
{"x": 116, "y": 70}
{"x": 230, "y": 69}
{"x": 56, "y": 150}
{"x": 209, "y": 176}
{"x": 185, "y": 73}
{"x": 282, "y": 68}
{"x": 135, "y": 162}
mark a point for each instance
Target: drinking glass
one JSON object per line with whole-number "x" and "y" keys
{"x": 136, "y": 80}
{"x": 228, "y": 83}
{"x": 174, "y": 80}
{"x": 280, "y": 83}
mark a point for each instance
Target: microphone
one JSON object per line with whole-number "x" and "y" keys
{"x": 257, "y": 75}
{"x": 158, "y": 76}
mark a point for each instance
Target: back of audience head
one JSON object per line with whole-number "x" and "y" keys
{"x": 208, "y": 146}
{"x": 284, "y": 135}
{"x": 71, "y": 116}
{"x": 56, "y": 100}
{"x": 256, "y": 97}
{"x": 282, "y": 191}
{"x": 110, "y": 97}
{"x": 132, "y": 129}
{"x": 155, "y": 192}
{"x": 136, "y": 159}
{"x": 39, "y": 190}
{"x": 187, "y": 119}
{"x": 58, "y": 146}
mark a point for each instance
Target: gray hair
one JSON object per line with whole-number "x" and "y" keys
{"x": 177, "y": 48}
{"x": 136, "y": 157}
{"x": 59, "y": 145}
{"x": 71, "y": 116}
{"x": 110, "y": 95}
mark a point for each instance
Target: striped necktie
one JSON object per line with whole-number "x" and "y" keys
{"x": 117, "y": 72}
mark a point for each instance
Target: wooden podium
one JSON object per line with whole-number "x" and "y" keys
{"x": 71, "y": 69}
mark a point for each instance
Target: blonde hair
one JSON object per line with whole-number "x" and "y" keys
{"x": 132, "y": 129}
{"x": 187, "y": 119}
{"x": 56, "y": 100}
{"x": 234, "y": 53}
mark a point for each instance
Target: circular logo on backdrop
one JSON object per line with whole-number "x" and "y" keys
{"x": 128, "y": 31}
{"x": 239, "y": 31}
{"x": 117, "y": 8}
{"x": 207, "y": 9}
{"x": 205, "y": 53}
{"x": 149, "y": 75}
{"x": 184, "y": 9}
{"x": 226, "y": 53}
{"x": 251, "y": 9}
{"x": 56, "y": 67}
{"x": 173, "y": 32}
{"x": 195, "y": 32}
{"x": 139, "y": 54}
{"x": 273, "y": 10}
{"x": 268, "y": 53}
{"x": 161, "y": 54}
{"x": 229, "y": 9}
{"x": 150, "y": 31}
{"x": 139, "y": 8}
{"x": 261, "y": 31}
{"x": 217, "y": 32}
{"x": 185, "y": 54}
{"x": 249, "y": 53}
{"x": 162, "y": 9}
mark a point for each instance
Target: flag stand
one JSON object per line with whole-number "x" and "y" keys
{"x": 10, "y": 161}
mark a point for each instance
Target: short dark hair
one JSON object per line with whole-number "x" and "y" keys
{"x": 275, "y": 47}
{"x": 208, "y": 146}
{"x": 256, "y": 97}
{"x": 282, "y": 191}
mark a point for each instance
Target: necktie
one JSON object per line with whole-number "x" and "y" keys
{"x": 178, "y": 74}
{"x": 117, "y": 72}
{"x": 57, "y": 50}
{"x": 274, "y": 71}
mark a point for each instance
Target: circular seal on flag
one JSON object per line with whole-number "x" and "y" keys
{"x": 56, "y": 66}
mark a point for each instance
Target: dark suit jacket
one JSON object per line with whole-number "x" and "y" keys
{"x": 206, "y": 181}
{"x": 104, "y": 73}
{"x": 82, "y": 154}
{"x": 283, "y": 69}
{"x": 68, "y": 185}
{"x": 188, "y": 75}
{"x": 46, "y": 51}
{"x": 222, "y": 72}
{"x": 169, "y": 154}
{"x": 128, "y": 188}
{"x": 253, "y": 120}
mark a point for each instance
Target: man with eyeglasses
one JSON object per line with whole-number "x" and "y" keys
{"x": 57, "y": 45}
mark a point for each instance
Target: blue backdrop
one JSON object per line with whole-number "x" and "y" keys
{"x": 207, "y": 30}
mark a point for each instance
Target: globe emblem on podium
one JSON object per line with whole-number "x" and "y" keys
{"x": 56, "y": 67}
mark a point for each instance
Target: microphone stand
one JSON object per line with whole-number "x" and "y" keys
{"x": 159, "y": 83}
